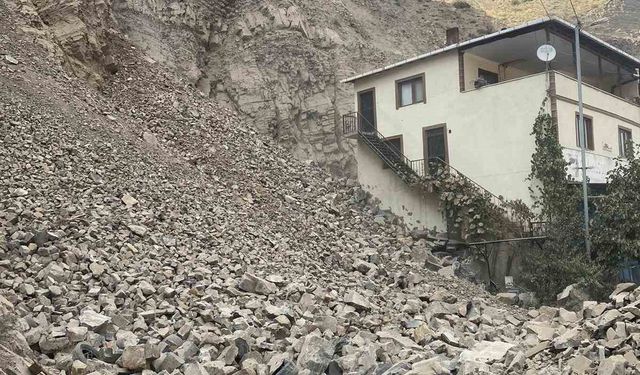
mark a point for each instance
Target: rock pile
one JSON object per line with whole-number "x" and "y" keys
{"x": 143, "y": 229}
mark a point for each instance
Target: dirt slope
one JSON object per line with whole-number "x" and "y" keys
{"x": 513, "y": 12}
{"x": 616, "y": 21}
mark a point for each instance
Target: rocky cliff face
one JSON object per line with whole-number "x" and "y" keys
{"x": 276, "y": 62}
{"x": 279, "y": 62}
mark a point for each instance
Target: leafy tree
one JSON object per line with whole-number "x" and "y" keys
{"x": 616, "y": 228}
{"x": 561, "y": 259}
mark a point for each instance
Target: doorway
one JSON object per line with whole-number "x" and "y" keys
{"x": 435, "y": 144}
{"x": 367, "y": 110}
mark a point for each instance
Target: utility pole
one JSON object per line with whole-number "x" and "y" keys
{"x": 583, "y": 142}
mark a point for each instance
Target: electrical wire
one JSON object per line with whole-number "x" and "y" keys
{"x": 574, "y": 12}
{"x": 545, "y": 8}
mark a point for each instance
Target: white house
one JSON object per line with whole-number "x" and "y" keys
{"x": 473, "y": 104}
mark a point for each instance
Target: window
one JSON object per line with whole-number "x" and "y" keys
{"x": 489, "y": 77}
{"x": 410, "y": 91}
{"x": 588, "y": 124}
{"x": 625, "y": 142}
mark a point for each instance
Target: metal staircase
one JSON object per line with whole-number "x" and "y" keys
{"x": 410, "y": 171}
{"x": 423, "y": 172}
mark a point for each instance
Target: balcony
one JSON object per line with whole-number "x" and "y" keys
{"x": 597, "y": 99}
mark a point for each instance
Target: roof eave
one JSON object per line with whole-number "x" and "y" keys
{"x": 489, "y": 38}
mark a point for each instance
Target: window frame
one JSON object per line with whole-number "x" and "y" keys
{"x": 621, "y": 151}
{"x": 590, "y": 135}
{"x": 399, "y": 83}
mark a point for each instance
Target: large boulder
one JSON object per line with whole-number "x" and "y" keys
{"x": 572, "y": 297}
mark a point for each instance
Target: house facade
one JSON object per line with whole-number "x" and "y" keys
{"x": 472, "y": 105}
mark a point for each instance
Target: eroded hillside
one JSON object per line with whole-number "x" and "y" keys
{"x": 513, "y": 12}
{"x": 616, "y": 21}
{"x": 275, "y": 62}
{"x": 146, "y": 229}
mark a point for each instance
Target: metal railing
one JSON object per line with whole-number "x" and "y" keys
{"x": 509, "y": 211}
{"x": 350, "y": 123}
{"x": 355, "y": 123}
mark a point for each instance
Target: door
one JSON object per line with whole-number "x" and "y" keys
{"x": 435, "y": 143}
{"x": 367, "y": 110}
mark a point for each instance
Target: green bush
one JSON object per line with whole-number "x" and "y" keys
{"x": 550, "y": 268}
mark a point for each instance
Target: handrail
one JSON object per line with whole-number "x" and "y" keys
{"x": 420, "y": 167}
{"x": 449, "y": 166}
{"x": 358, "y": 116}
{"x": 373, "y": 130}
{"x": 496, "y": 200}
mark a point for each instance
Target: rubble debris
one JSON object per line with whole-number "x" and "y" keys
{"x": 236, "y": 258}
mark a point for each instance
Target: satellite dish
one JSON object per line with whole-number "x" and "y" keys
{"x": 546, "y": 52}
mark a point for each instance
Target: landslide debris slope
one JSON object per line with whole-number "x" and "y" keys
{"x": 147, "y": 227}
{"x": 144, "y": 229}
{"x": 275, "y": 62}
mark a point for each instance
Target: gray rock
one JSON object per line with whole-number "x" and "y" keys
{"x": 486, "y": 351}
{"x": 97, "y": 269}
{"x": 53, "y": 342}
{"x": 168, "y": 362}
{"x": 187, "y": 350}
{"x": 315, "y": 354}
{"x": 93, "y": 320}
{"x": 508, "y": 298}
{"x": 133, "y": 357}
{"x": 613, "y": 365}
{"x": 229, "y": 354}
{"x": 431, "y": 366}
{"x": 579, "y": 364}
{"x": 253, "y": 284}
{"x": 77, "y": 334}
{"x": 146, "y": 288}
{"x": 139, "y": 230}
{"x": 356, "y": 300}
{"x": 195, "y": 369}
{"x": 11, "y": 60}
{"x": 572, "y": 297}
{"x": 129, "y": 201}
{"x": 286, "y": 368}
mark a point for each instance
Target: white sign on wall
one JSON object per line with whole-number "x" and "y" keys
{"x": 597, "y": 165}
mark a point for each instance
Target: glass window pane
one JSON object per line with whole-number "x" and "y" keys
{"x": 588, "y": 125}
{"x": 405, "y": 94}
{"x": 578, "y": 139}
{"x": 436, "y": 148}
{"x": 419, "y": 90}
{"x": 624, "y": 142}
